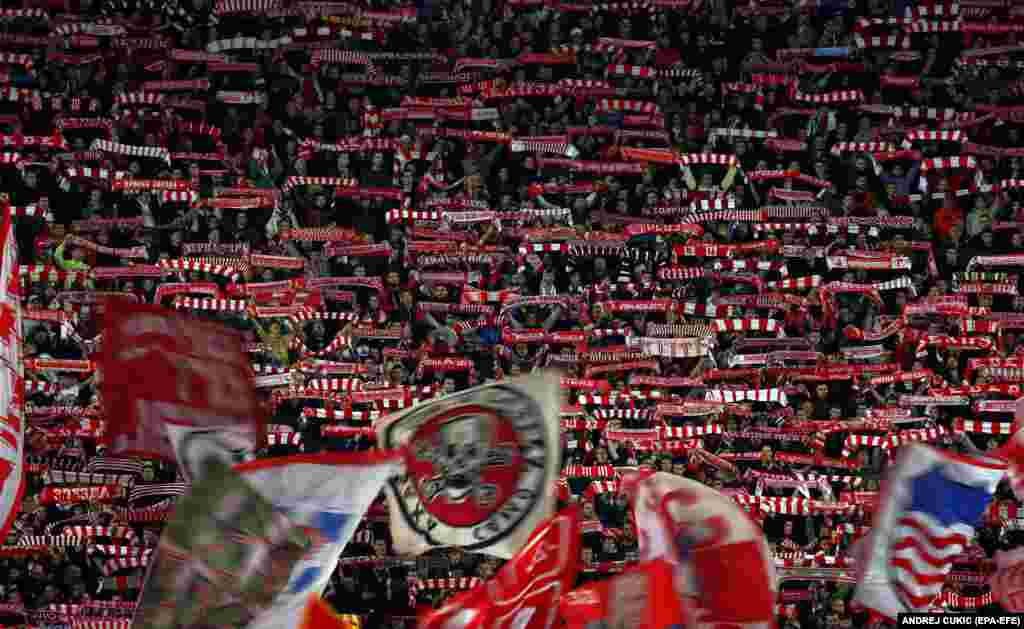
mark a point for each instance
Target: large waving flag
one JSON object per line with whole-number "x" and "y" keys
{"x": 1013, "y": 452}
{"x": 327, "y": 494}
{"x": 320, "y": 615}
{"x": 724, "y": 571}
{"x": 642, "y": 598}
{"x": 12, "y": 424}
{"x": 223, "y": 558}
{"x": 933, "y": 500}
{"x": 524, "y": 594}
{"x": 1008, "y": 581}
{"x": 483, "y": 467}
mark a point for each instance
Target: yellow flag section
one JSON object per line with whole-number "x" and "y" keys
{"x": 12, "y": 384}
{"x": 320, "y": 615}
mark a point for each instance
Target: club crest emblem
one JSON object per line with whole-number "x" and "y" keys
{"x": 478, "y": 465}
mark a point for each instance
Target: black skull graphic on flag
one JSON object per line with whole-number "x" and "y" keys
{"x": 482, "y": 467}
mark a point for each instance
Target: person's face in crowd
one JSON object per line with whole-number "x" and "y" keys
{"x": 651, "y": 199}
{"x": 448, "y": 387}
{"x": 609, "y": 546}
{"x": 984, "y": 377}
{"x": 838, "y": 607}
{"x": 440, "y": 292}
{"x": 378, "y": 161}
{"x": 395, "y": 375}
{"x": 373, "y": 303}
{"x": 587, "y": 554}
{"x": 588, "y": 510}
{"x": 317, "y": 329}
{"x": 766, "y": 454}
{"x": 77, "y": 590}
{"x": 787, "y": 529}
{"x": 406, "y": 298}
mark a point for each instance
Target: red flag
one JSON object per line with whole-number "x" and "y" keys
{"x": 320, "y": 615}
{"x": 160, "y": 368}
{"x": 1008, "y": 581}
{"x": 641, "y": 598}
{"x": 1013, "y": 452}
{"x": 524, "y": 594}
{"x": 723, "y": 565}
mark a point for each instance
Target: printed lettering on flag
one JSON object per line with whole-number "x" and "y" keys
{"x": 927, "y": 516}
{"x": 160, "y": 368}
{"x": 525, "y": 593}
{"x": 12, "y": 421}
{"x": 482, "y": 468}
{"x": 223, "y": 558}
{"x": 326, "y": 494}
{"x": 724, "y": 571}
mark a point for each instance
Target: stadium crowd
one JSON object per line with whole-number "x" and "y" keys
{"x": 766, "y": 243}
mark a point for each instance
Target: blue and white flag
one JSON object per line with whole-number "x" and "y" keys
{"x": 931, "y": 503}
{"x": 328, "y": 494}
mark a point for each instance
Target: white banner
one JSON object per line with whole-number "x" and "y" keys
{"x": 328, "y": 493}
{"x": 482, "y": 470}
